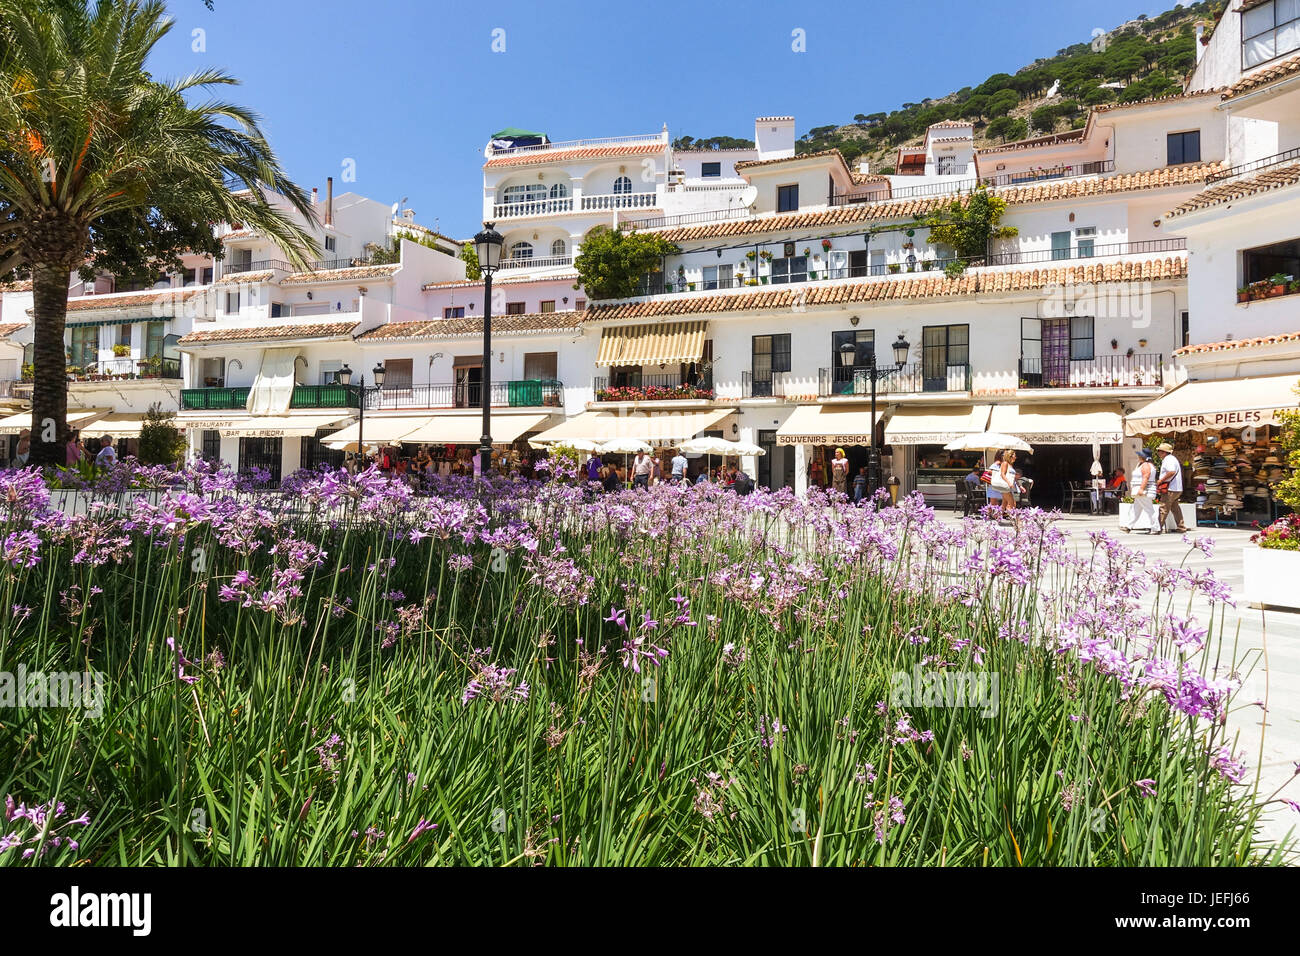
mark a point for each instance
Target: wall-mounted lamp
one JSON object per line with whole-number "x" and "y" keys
{"x": 854, "y": 320}
{"x": 362, "y": 290}
{"x": 564, "y": 299}
{"x": 309, "y": 294}
{"x": 232, "y": 363}
{"x": 434, "y": 357}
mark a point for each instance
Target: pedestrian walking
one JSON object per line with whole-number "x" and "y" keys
{"x": 679, "y": 466}
{"x": 1143, "y": 517}
{"x": 1004, "y": 479}
{"x": 1169, "y": 486}
{"x": 840, "y": 472}
{"x": 107, "y": 456}
{"x": 642, "y": 468}
{"x": 860, "y": 485}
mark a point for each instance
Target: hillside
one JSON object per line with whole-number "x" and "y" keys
{"x": 1144, "y": 58}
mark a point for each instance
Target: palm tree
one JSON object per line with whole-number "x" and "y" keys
{"x": 102, "y": 166}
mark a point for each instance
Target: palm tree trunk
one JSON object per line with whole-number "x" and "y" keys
{"x": 50, "y": 390}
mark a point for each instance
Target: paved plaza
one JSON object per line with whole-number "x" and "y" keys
{"x": 1267, "y": 640}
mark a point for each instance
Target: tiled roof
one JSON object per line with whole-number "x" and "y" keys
{"x": 951, "y": 139}
{"x": 24, "y": 286}
{"x": 949, "y": 124}
{"x": 888, "y": 290}
{"x": 434, "y": 328}
{"x": 1279, "y": 71}
{"x": 908, "y": 208}
{"x": 1234, "y": 189}
{"x": 235, "y": 234}
{"x": 9, "y": 328}
{"x": 1152, "y": 100}
{"x": 1068, "y": 136}
{"x": 1239, "y": 344}
{"x": 238, "y": 277}
{"x": 1105, "y": 185}
{"x": 540, "y": 156}
{"x": 751, "y": 163}
{"x": 266, "y": 333}
{"x": 862, "y": 178}
{"x": 341, "y": 275}
{"x": 517, "y": 280}
{"x": 774, "y": 119}
{"x": 128, "y": 300}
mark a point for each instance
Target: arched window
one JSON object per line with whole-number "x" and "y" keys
{"x": 558, "y": 247}
{"x": 560, "y": 191}
{"x": 622, "y": 185}
{"x": 521, "y": 250}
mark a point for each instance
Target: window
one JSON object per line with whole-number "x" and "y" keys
{"x": 329, "y": 371}
{"x": 214, "y": 372}
{"x": 710, "y": 170}
{"x": 211, "y": 445}
{"x": 793, "y": 269}
{"x": 398, "y": 373}
{"x": 559, "y": 248}
{"x": 1085, "y": 239}
{"x": 863, "y": 342}
{"x": 330, "y": 243}
{"x": 1268, "y": 31}
{"x": 514, "y": 308}
{"x": 579, "y": 304}
{"x": 1262, "y": 262}
{"x": 1081, "y": 338}
{"x": 313, "y": 452}
{"x": 541, "y": 366}
{"x": 622, "y": 186}
{"x": 560, "y": 191}
{"x": 548, "y": 305}
{"x": 787, "y": 198}
{"x": 719, "y": 277}
{"x": 1061, "y": 245}
{"x": 945, "y": 357}
{"x": 530, "y": 192}
{"x": 85, "y": 345}
{"x": 1184, "y": 147}
{"x": 453, "y": 312}
{"x": 770, "y": 358}
{"x": 265, "y": 453}
{"x": 123, "y": 336}
{"x": 189, "y": 276}
{"x": 278, "y": 310}
{"x": 945, "y": 165}
{"x": 1186, "y": 333}
{"x": 232, "y": 302}
{"x": 521, "y": 250}
{"x": 154, "y": 334}
{"x": 208, "y": 276}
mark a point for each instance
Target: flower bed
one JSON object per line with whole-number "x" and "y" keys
{"x": 652, "y": 393}
{"x": 512, "y": 673}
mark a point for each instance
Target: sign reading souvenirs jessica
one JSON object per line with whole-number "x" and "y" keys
{"x": 823, "y": 439}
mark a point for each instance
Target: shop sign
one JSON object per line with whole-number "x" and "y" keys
{"x": 924, "y": 438}
{"x": 823, "y": 439}
{"x": 1212, "y": 420}
{"x": 1073, "y": 438}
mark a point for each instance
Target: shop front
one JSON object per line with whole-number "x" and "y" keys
{"x": 916, "y": 436}
{"x": 814, "y": 432}
{"x": 1066, "y": 438}
{"x": 1225, "y": 432}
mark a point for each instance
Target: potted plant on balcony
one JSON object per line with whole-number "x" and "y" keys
{"x": 895, "y": 268}
{"x": 751, "y": 255}
{"x": 826, "y": 245}
{"x": 1243, "y": 294}
{"x": 1259, "y": 290}
{"x": 121, "y": 351}
{"x": 1293, "y": 287}
{"x": 1277, "y": 283}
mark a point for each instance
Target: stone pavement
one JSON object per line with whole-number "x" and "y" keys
{"x": 1267, "y": 639}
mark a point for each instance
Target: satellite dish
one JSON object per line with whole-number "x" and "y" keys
{"x": 395, "y": 207}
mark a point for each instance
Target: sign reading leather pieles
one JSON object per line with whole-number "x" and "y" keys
{"x": 823, "y": 439}
{"x": 1207, "y": 421}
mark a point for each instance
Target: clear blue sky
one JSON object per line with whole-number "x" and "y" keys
{"x": 411, "y": 89}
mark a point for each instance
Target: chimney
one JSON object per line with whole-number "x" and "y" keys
{"x": 864, "y": 166}
{"x": 315, "y": 195}
{"x": 1200, "y": 40}
{"x": 329, "y": 200}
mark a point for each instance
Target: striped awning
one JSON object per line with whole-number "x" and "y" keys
{"x": 661, "y": 343}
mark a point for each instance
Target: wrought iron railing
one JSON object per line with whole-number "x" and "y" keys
{"x": 763, "y": 384}
{"x": 259, "y": 265}
{"x": 1277, "y": 159}
{"x": 304, "y": 396}
{"x": 1086, "y": 251}
{"x": 1064, "y": 171}
{"x": 841, "y": 380}
{"x": 529, "y": 393}
{"x": 1102, "y": 371}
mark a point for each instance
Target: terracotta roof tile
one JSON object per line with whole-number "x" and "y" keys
{"x": 1233, "y": 189}
{"x": 1069, "y": 136}
{"x": 1106, "y": 185}
{"x": 9, "y": 328}
{"x": 1239, "y": 344}
{"x": 497, "y": 280}
{"x": 890, "y": 290}
{"x": 536, "y": 157}
{"x": 751, "y": 163}
{"x": 236, "y": 234}
{"x": 267, "y": 333}
{"x": 1152, "y": 100}
{"x": 129, "y": 299}
{"x": 435, "y": 328}
{"x": 234, "y": 278}
{"x": 1279, "y": 71}
{"x": 950, "y": 124}
{"x": 24, "y": 286}
{"x": 341, "y": 275}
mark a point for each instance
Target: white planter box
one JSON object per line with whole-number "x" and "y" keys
{"x": 1271, "y": 576}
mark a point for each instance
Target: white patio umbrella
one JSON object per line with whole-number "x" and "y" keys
{"x": 577, "y": 444}
{"x": 707, "y": 446}
{"x": 986, "y": 440}
{"x": 746, "y": 449}
{"x": 624, "y": 446}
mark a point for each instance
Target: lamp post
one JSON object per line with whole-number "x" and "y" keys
{"x": 344, "y": 377}
{"x": 488, "y": 246}
{"x": 848, "y": 358}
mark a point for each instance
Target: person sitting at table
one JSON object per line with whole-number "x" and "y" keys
{"x": 1116, "y": 488}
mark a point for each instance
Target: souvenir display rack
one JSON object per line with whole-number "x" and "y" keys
{"x": 1232, "y": 476}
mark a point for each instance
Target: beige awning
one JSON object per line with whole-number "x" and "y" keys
{"x": 653, "y": 427}
{"x": 262, "y": 426}
{"x": 1087, "y": 423}
{"x": 78, "y": 418}
{"x": 827, "y": 425}
{"x": 663, "y": 343}
{"x": 468, "y": 429}
{"x": 935, "y": 425}
{"x": 119, "y": 426}
{"x": 387, "y": 429}
{"x": 1221, "y": 403}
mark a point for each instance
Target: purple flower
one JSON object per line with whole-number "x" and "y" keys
{"x": 617, "y": 617}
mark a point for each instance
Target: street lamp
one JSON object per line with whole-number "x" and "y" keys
{"x": 488, "y": 246}
{"x": 848, "y": 354}
{"x": 344, "y": 377}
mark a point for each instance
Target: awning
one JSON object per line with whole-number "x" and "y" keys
{"x": 935, "y": 425}
{"x": 261, "y": 426}
{"x": 272, "y": 390}
{"x": 650, "y": 427}
{"x": 827, "y": 425}
{"x": 663, "y": 343}
{"x": 468, "y": 429}
{"x": 119, "y": 426}
{"x": 1073, "y": 424}
{"x": 78, "y": 418}
{"x": 1223, "y": 403}
{"x": 377, "y": 430}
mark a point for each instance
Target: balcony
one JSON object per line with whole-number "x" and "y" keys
{"x": 519, "y": 393}
{"x": 939, "y": 188}
{"x": 604, "y": 201}
{"x": 763, "y": 384}
{"x": 532, "y": 207}
{"x": 914, "y": 378}
{"x": 667, "y": 387}
{"x": 537, "y": 262}
{"x": 1144, "y": 370}
{"x": 260, "y": 265}
{"x": 1087, "y": 251}
{"x": 578, "y": 144}
{"x": 236, "y": 399}
{"x": 126, "y": 368}
{"x": 1065, "y": 171}
{"x": 1243, "y": 169}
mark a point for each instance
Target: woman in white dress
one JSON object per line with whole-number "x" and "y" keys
{"x": 1004, "y": 480}
{"x": 1143, "y": 516}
